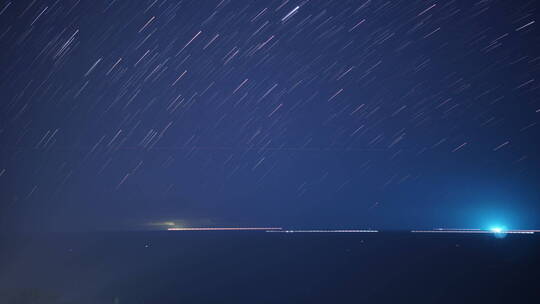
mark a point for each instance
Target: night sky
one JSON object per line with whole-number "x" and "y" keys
{"x": 330, "y": 114}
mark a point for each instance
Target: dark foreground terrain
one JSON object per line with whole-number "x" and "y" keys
{"x": 259, "y": 267}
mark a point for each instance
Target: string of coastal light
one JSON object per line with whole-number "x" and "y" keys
{"x": 494, "y": 230}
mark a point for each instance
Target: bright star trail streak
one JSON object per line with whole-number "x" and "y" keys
{"x": 290, "y": 14}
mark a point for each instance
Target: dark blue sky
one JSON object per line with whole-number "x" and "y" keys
{"x": 382, "y": 114}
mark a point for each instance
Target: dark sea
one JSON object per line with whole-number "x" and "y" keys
{"x": 259, "y": 267}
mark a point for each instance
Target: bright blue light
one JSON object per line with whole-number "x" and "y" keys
{"x": 497, "y": 229}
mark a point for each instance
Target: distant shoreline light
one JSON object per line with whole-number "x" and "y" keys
{"x": 223, "y": 228}
{"x": 270, "y": 229}
{"x": 495, "y": 230}
{"x": 325, "y": 231}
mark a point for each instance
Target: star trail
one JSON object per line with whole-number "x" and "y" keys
{"x": 340, "y": 114}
